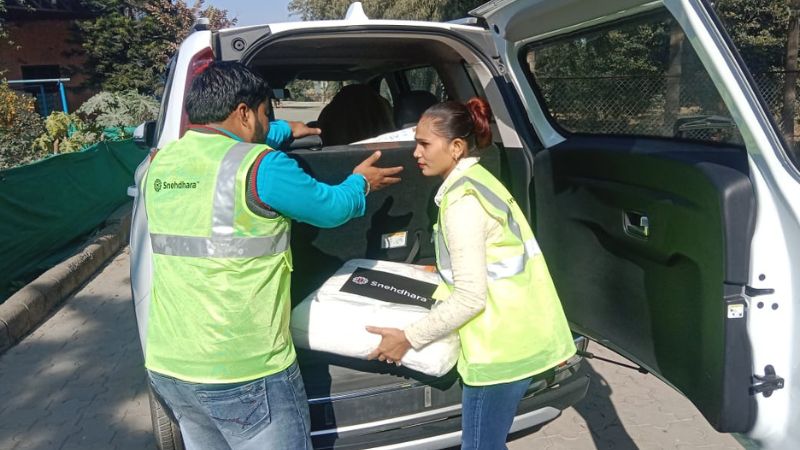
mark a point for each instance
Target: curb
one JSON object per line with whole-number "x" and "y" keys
{"x": 27, "y": 308}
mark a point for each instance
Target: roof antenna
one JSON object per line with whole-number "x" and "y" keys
{"x": 355, "y": 13}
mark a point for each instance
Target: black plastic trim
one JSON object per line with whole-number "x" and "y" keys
{"x": 559, "y": 397}
{"x": 738, "y": 230}
{"x": 232, "y": 44}
{"x": 738, "y": 411}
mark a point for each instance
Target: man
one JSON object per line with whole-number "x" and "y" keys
{"x": 219, "y": 351}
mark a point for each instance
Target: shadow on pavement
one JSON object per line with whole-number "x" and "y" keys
{"x": 601, "y": 415}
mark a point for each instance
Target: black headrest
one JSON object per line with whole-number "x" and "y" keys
{"x": 410, "y": 107}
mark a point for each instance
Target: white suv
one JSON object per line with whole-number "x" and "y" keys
{"x": 662, "y": 194}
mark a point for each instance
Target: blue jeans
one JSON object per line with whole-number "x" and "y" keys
{"x": 270, "y": 412}
{"x": 487, "y": 413}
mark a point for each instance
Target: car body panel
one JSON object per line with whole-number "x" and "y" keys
{"x": 775, "y": 242}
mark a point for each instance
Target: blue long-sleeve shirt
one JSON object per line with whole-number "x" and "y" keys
{"x": 289, "y": 190}
{"x": 280, "y": 134}
{"x": 286, "y": 188}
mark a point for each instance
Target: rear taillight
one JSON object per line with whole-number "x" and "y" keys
{"x": 197, "y": 65}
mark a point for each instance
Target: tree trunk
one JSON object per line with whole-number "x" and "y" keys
{"x": 672, "y": 101}
{"x": 790, "y": 86}
{"x": 531, "y": 59}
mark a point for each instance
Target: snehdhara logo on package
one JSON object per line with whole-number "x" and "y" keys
{"x": 158, "y": 185}
{"x": 361, "y": 281}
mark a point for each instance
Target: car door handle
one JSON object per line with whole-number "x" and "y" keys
{"x": 636, "y": 224}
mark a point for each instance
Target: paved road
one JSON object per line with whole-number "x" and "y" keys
{"x": 77, "y": 382}
{"x": 302, "y": 111}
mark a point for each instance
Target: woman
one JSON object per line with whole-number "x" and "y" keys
{"x": 496, "y": 288}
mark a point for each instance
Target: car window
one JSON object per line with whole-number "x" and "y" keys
{"x": 307, "y": 98}
{"x": 426, "y": 79}
{"x": 766, "y": 35}
{"x": 474, "y": 80}
{"x": 639, "y": 77}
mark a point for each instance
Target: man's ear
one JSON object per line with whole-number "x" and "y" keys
{"x": 242, "y": 114}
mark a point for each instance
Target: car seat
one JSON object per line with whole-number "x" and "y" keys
{"x": 356, "y": 112}
{"x": 409, "y": 107}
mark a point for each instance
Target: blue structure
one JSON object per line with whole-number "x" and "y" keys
{"x": 45, "y": 107}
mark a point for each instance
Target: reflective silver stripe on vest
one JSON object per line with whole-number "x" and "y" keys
{"x": 225, "y": 192}
{"x": 495, "y": 201}
{"x": 532, "y": 247}
{"x": 447, "y": 276}
{"x": 222, "y": 243}
{"x": 239, "y": 247}
{"x": 500, "y": 269}
{"x": 507, "y": 267}
{"x": 443, "y": 264}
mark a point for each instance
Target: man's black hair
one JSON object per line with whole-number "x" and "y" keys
{"x": 222, "y": 86}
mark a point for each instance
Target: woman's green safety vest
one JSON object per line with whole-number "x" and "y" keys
{"x": 220, "y": 301}
{"x": 522, "y": 331}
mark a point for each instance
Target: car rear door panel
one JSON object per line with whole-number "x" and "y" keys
{"x": 660, "y": 296}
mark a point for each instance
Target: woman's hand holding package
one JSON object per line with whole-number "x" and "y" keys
{"x": 393, "y": 346}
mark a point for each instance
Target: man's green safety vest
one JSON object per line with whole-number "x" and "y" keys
{"x": 220, "y": 301}
{"x": 522, "y": 331}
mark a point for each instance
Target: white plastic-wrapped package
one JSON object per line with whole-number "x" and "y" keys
{"x": 377, "y": 293}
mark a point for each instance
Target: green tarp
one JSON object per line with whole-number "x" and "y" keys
{"x": 48, "y": 208}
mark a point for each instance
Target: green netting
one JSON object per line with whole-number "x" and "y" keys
{"x": 117, "y": 133}
{"x": 48, "y": 208}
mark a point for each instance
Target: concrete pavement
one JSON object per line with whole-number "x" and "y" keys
{"x": 624, "y": 409}
{"x": 78, "y": 382}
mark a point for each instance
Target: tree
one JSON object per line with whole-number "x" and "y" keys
{"x": 3, "y": 31}
{"x": 330, "y": 9}
{"x": 790, "y": 83}
{"x": 438, "y": 10}
{"x": 758, "y": 28}
{"x": 20, "y": 125}
{"x": 767, "y": 34}
{"x": 431, "y": 9}
{"x": 129, "y": 42}
{"x": 107, "y": 115}
{"x": 2, "y": 23}
{"x": 672, "y": 101}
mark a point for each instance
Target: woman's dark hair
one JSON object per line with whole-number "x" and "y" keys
{"x": 218, "y": 89}
{"x": 468, "y": 121}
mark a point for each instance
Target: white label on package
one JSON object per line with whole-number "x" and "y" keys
{"x": 735, "y": 311}
{"x": 394, "y": 240}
